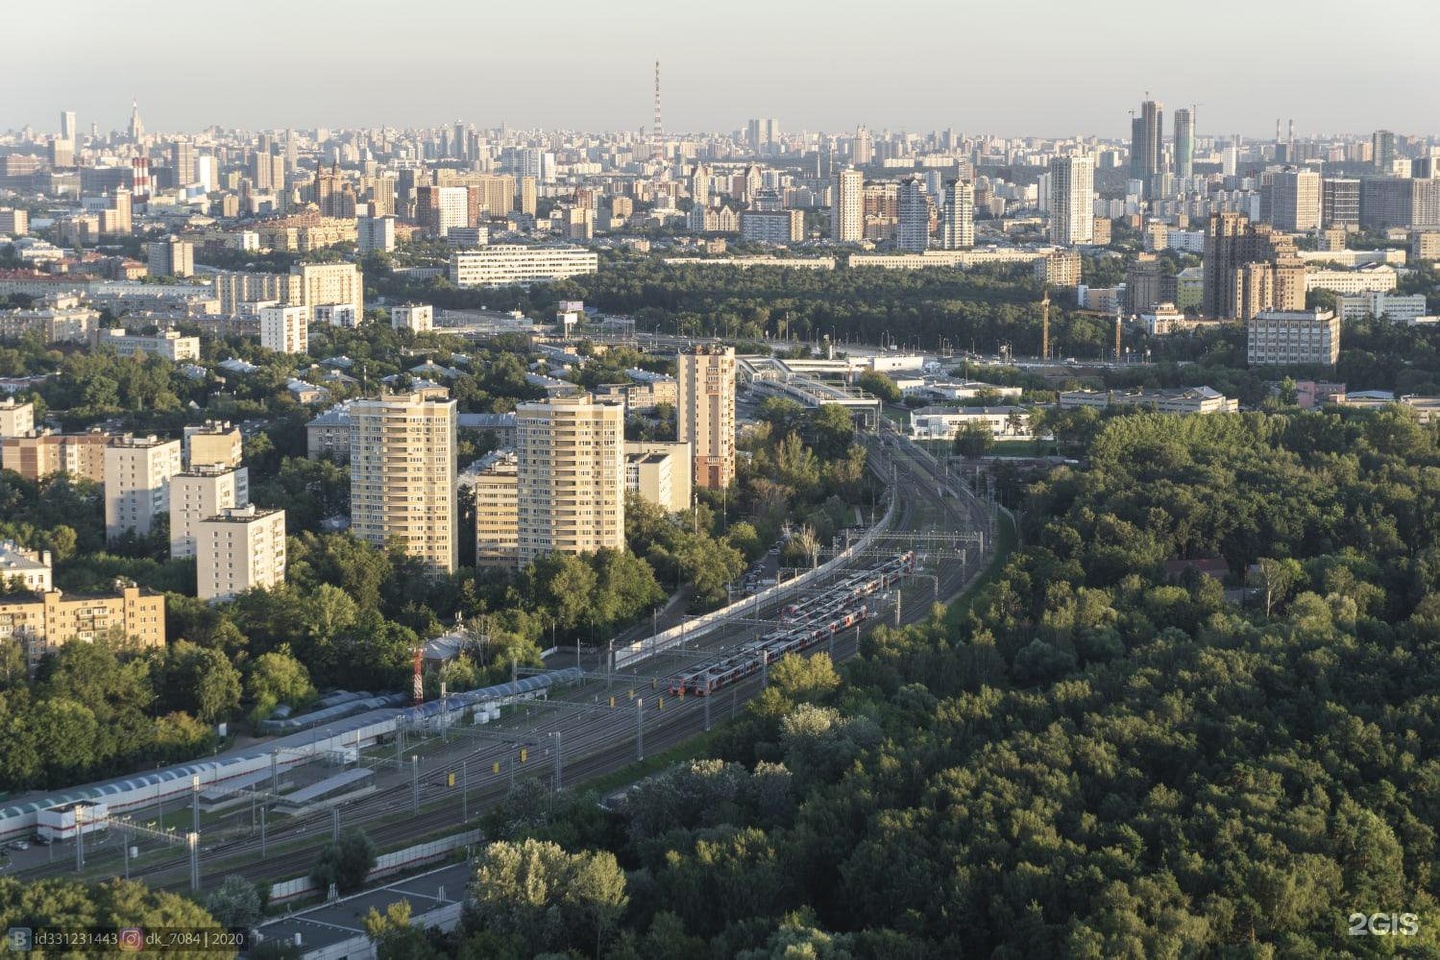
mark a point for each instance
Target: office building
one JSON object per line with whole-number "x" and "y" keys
{"x": 1339, "y": 202}
{"x": 1072, "y": 200}
{"x": 25, "y": 569}
{"x": 497, "y": 503}
{"x": 957, "y": 221}
{"x": 169, "y": 344}
{"x": 44, "y": 623}
{"x": 502, "y": 264}
{"x": 1382, "y": 305}
{"x": 1283, "y": 337}
{"x": 202, "y": 492}
{"x": 772, "y": 226}
{"x": 571, "y": 476}
{"x": 285, "y": 329}
{"x": 1371, "y": 278}
{"x": 1184, "y": 143}
{"x": 1186, "y": 401}
{"x": 415, "y": 317}
{"x": 1295, "y": 205}
{"x": 171, "y": 257}
{"x": 706, "y": 413}
{"x": 68, "y": 130}
{"x": 213, "y": 442}
{"x": 913, "y": 230}
{"x": 137, "y": 483}
{"x": 16, "y": 419}
{"x": 402, "y": 476}
{"x": 36, "y": 455}
{"x": 375, "y": 234}
{"x": 1147, "y": 152}
{"x": 239, "y": 549}
{"x": 847, "y": 210}
{"x": 764, "y": 136}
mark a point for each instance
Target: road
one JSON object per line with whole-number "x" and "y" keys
{"x": 594, "y": 738}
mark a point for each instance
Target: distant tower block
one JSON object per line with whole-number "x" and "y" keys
{"x": 657, "y": 132}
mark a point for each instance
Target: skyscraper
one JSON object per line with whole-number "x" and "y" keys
{"x": 182, "y": 158}
{"x": 571, "y": 476}
{"x": 706, "y": 414}
{"x": 1295, "y": 200}
{"x": 847, "y": 212}
{"x": 137, "y": 129}
{"x": 402, "y": 476}
{"x": 1184, "y": 144}
{"x": 1147, "y": 148}
{"x": 764, "y": 135}
{"x": 67, "y": 126}
{"x": 1072, "y": 200}
{"x": 957, "y": 223}
{"x": 1339, "y": 202}
{"x": 913, "y": 232}
{"x": 1249, "y": 268}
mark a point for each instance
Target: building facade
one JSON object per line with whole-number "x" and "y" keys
{"x": 137, "y": 482}
{"x": 44, "y": 623}
{"x": 847, "y": 211}
{"x": 1072, "y": 200}
{"x": 239, "y": 549}
{"x": 957, "y": 220}
{"x": 706, "y": 413}
{"x": 402, "y": 476}
{"x": 497, "y": 518}
{"x": 199, "y": 493}
{"x": 1278, "y": 337}
{"x": 571, "y": 476}
{"x": 285, "y": 329}
{"x": 501, "y": 264}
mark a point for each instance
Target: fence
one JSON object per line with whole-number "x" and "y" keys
{"x": 385, "y": 865}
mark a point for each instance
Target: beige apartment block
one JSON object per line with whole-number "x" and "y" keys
{"x": 497, "y": 517}
{"x": 201, "y": 492}
{"x": 402, "y": 476}
{"x": 706, "y": 413}
{"x": 239, "y": 549}
{"x": 46, "y": 622}
{"x": 571, "y": 476}
{"x": 137, "y": 482}
{"x": 214, "y": 441}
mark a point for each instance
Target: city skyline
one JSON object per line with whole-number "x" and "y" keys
{"x": 811, "y": 72}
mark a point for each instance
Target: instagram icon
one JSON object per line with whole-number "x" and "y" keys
{"x": 132, "y": 940}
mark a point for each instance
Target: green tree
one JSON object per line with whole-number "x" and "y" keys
{"x": 235, "y": 903}
{"x": 549, "y": 899}
{"x": 276, "y": 678}
{"x": 345, "y": 862}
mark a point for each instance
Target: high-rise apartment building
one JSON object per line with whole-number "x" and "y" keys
{"x": 323, "y": 283}
{"x": 706, "y": 413}
{"x": 1339, "y": 202}
{"x": 374, "y": 234}
{"x": 182, "y": 160}
{"x": 402, "y": 476}
{"x": 199, "y": 493}
{"x": 1184, "y": 143}
{"x": 171, "y": 257}
{"x": 847, "y": 212}
{"x": 659, "y": 471}
{"x": 285, "y": 329}
{"x": 16, "y": 418}
{"x": 137, "y": 482}
{"x": 764, "y": 135}
{"x": 497, "y": 518}
{"x": 1147, "y": 151}
{"x": 1072, "y": 200}
{"x": 37, "y": 454}
{"x": 1295, "y": 200}
{"x": 913, "y": 231}
{"x": 571, "y": 476}
{"x": 213, "y": 442}
{"x": 239, "y": 549}
{"x": 957, "y": 221}
{"x": 1232, "y": 243}
{"x": 1383, "y": 151}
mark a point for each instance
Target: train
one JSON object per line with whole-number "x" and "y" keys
{"x": 339, "y": 736}
{"x": 803, "y": 625}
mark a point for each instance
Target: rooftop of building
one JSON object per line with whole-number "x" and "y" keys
{"x": 246, "y": 514}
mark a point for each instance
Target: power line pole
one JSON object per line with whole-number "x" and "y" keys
{"x": 558, "y": 771}
{"x": 415, "y": 780}
{"x": 195, "y": 804}
{"x": 192, "y": 840}
{"x": 465, "y": 790}
{"x": 639, "y": 728}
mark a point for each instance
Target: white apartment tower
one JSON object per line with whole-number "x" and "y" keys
{"x": 137, "y": 482}
{"x": 1072, "y": 200}
{"x": 957, "y": 222}
{"x": 706, "y": 412}
{"x": 198, "y": 494}
{"x": 571, "y": 476}
{"x": 402, "y": 476}
{"x": 847, "y": 210}
{"x": 913, "y": 231}
{"x": 239, "y": 549}
{"x": 285, "y": 329}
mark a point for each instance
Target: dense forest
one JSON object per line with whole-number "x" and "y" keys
{"x": 1093, "y": 758}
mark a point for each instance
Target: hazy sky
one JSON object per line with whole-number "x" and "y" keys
{"x": 1048, "y": 68}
